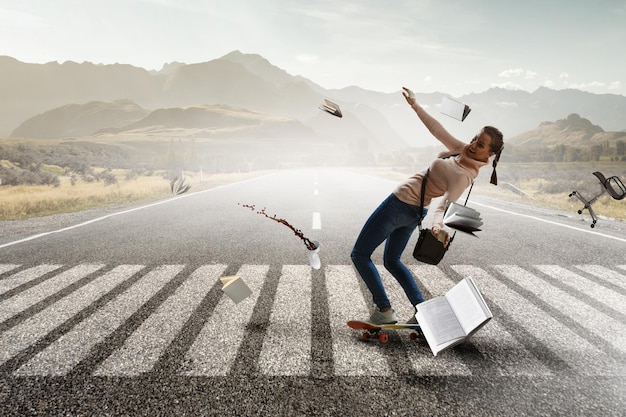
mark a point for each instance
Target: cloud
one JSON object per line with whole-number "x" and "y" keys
{"x": 564, "y": 76}
{"x": 506, "y": 104}
{"x": 511, "y": 73}
{"x": 509, "y": 85}
{"x": 307, "y": 58}
{"x": 518, "y": 72}
{"x": 615, "y": 85}
{"x": 587, "y": 86}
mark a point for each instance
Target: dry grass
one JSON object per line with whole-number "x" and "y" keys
{"x": 22, "y": 202}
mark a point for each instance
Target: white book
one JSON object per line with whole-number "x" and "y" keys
{"x": 450, "y": 319}
{"x": 455, "y": 109}
{"x": 462, "y": 218}
{"x": 235, "y": 288}
{"x": 332, "y": 108}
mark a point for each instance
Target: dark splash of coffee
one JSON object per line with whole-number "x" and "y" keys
{"x": 309, "y": 245}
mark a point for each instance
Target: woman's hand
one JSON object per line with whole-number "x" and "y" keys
{"x": 408, "y": 95}
{"x": 441, "y": 235}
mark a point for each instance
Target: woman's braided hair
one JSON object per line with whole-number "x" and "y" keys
{"x": 497, "y": 144}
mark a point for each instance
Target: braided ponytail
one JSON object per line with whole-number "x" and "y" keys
{"x": 497, "y": 144}
{"x": 494, "y": 174}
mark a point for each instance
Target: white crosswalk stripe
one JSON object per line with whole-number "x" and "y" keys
{"x": 287, "y": 344}
{"x": 23, "y": 277}
{"x": 7, "y": 267}
{"x": 557, "y": 337}
{"x": 566, "y": 311}
{"x": 508, "y": 353}
{"x": 215, "y": 349}
{"x": 605, "y": 274}
{"x": 38, "y": 326}
{"x": 345, "y": 303}
{"x": 145, "y": 346}
{"x": 603, "y": 295}
{"x": 32, "y": 296}
{"x": 65, "y": 353}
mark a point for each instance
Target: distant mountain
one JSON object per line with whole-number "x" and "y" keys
{"x": 572, "y": 131}
{"x": 378, "y": 121}
{"x": 76, "y": 120}
{"x": 215, "y": 121}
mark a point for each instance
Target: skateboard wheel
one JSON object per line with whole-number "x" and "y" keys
{"x": 413, "y": 336}
{"x": 365, "y": 336}
{"x": 383, "y": 338}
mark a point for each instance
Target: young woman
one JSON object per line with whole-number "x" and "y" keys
{"x": 397, "y": 217}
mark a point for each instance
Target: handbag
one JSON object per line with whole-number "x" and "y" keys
{"x": 428, "y": 248}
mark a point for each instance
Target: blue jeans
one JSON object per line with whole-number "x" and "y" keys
{"x": 393, "y": 221}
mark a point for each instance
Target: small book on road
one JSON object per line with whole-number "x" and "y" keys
{"x": 235, "y": 288}
{"x": 462, "y": 218}
{"x": 450, "y": 319}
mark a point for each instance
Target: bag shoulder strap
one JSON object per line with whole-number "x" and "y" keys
{"x": 423, "y": 191}
{"x": 419, "y": 224}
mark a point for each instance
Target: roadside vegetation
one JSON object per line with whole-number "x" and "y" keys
{"x": 42, "y": 178}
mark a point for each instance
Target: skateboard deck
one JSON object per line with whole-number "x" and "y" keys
{"x": 376, "y": 330}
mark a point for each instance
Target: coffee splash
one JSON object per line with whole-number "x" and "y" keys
{"x": 309, "y": 244}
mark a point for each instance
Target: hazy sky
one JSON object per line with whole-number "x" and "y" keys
{"x": 451, "y": 46}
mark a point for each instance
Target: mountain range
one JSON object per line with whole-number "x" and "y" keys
{"x": 245, "y": 96}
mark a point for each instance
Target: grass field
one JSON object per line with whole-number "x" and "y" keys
{"x": 22, "y": 202}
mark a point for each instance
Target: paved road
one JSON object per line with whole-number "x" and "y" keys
{"x": 124, "y": 314}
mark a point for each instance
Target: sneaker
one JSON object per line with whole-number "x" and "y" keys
{"x": 379, "y": 317}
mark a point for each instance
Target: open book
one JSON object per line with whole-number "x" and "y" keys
{"x": 455, "y": 109}
{"x": 451, "y": 319}
{"x": 462, "y": 218}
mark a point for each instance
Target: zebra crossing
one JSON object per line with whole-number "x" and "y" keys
{"x": 128, "y": 320}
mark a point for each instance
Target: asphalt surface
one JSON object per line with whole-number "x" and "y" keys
{"x": 121, "y": 312}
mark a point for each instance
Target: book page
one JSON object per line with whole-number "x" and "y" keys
{"x": 468, "y": 305}
{"x": 440, "y": 319}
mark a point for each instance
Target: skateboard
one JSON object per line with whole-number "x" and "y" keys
{"x": 377, "y": 331}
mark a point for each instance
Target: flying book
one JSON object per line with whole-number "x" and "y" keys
{"x": 455, "y": 109}
{"x": 450, "y": 319}
{"x": 462, "y": 218}
{"x": 332, "y": 108}
{"x": 235, "y": 288}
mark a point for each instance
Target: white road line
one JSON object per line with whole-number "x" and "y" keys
{"x": 595, "y": 321}
{"x": 70, "y": 349}
{"x": 32, "y": 296}
{"x": 7, "y": 267}
{"x": 215, "y": 349}
{"x": 581, "y": 355}
{"x": 599, "y": 293}
{"x": 317, "y": 221}
{"x": 26, "y": 239}
{"x": 604, "y": 273}
{"x": 25, "y": 276}
{"x": 550, "y": 222}
{"x": 287, "y": 344}
{"x": 145, "y": 346}
{"x": 351, "y": 356}
{"x": 38, "y": 326}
